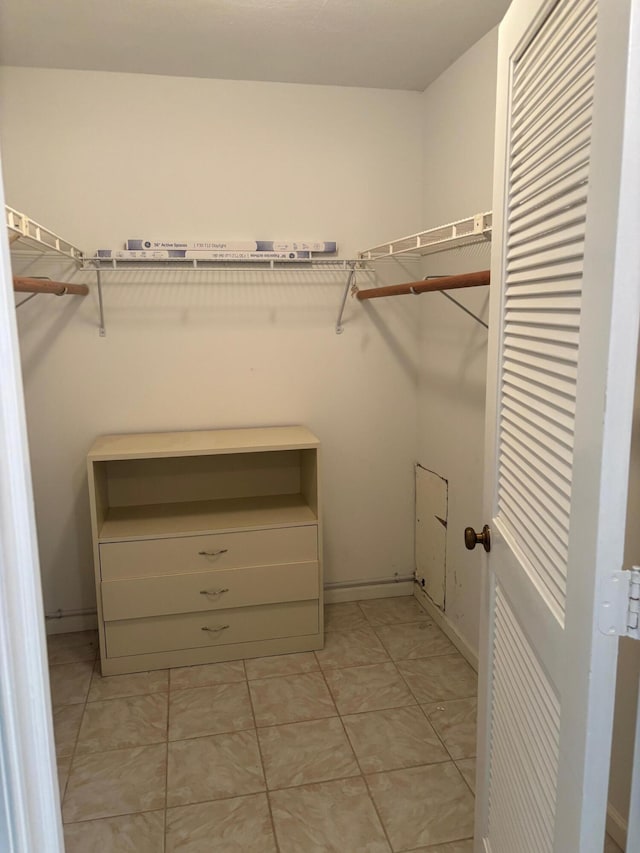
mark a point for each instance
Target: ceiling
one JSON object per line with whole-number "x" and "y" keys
{"x": 389, "y": 44}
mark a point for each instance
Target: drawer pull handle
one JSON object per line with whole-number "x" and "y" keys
{"x": 212, "y": 553}
{"x": 213, "y": 591}
{"x": 215, "y": 630}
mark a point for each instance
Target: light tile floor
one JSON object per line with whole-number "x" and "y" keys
{"x": 364, "y": 747}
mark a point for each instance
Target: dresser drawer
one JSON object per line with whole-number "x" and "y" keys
{"x": 212, "y": 552}
{"x": 128, "y": 599}
{"x": 210, "y": 628}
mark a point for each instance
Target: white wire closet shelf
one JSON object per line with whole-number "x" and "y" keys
{"x": 316, "y": 264}
{"x": 104, "y": 268}
{"x": 29, "y": 237}
{"x": 32, "y": 242}
{"x": 463, "y": 232}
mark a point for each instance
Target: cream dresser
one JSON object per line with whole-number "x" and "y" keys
{"x": 207, "y": 546}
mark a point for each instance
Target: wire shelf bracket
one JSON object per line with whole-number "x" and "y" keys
{"x": 463, "y": 232}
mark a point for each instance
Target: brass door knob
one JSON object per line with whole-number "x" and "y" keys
{"x": 471, "y": 538}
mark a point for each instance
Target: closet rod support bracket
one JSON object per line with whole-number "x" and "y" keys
{"x": 350, "y": 286}
{"x": 103, "y": 330}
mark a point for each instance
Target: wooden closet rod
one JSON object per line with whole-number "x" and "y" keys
{"x": 450, "y": 282}
{"x": 22, "y": 284}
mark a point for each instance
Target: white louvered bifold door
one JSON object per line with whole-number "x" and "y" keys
{"x": 564, "y": 326}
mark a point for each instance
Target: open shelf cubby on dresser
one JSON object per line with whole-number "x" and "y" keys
{"x": 207, "y": 546}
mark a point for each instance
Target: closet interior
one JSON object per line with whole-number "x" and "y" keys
{"x": 251, "y": 481}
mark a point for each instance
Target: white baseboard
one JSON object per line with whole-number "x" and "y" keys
{"x": 69, "y": 624}
{"x": 617, "y": 826}
{"x": 359, "y": 592}
{"x": 446, "y": 626}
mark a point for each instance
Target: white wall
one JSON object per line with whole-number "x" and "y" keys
{"x": 100, "y": 157}
{"x": 459, "y": 114}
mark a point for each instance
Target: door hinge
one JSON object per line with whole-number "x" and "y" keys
{"x": 620, "y": 605}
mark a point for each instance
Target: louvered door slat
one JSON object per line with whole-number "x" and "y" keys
{"x": 544, "y": 425}
{"x": 557, "y": 257}
{"x": 572, "y": 53}
{"x": 568, "y": 237}
{"x": 534, "y": 824}
{"x": 556, "y": 501}
{"x": 562, "y": 293}
{"x": 546, "y": 349}
{"x": 556, "y": 115}
{"x": 548, "y": 449}
{"x": 563, "y": 403}
{"x": 533, "y": 166}
{"x": 546, "y": 202}
{"x": 544, "y": 407}
{"x": 547, "y": 236}
{"x": 545, "y": 363}
{"x": 539, "y": 543}
{"x": 524, "y": 738}
{"x": 566, "y": 219}
{"x": 537, "y": 563}
{"x": 543, "y": 318}
{"x": 551, "y": 128}
{"x": 525, "y": 835}
{"x": 566, "y": 16}
{"x": 545, "y": 693}
{"x": 528, "y": 124}
{"x": 547, "y": 191}
{"x": 529, "y": 458}
{"x": 559, "y": 336}
{"x": 557, "y": 278}
{"x": 562, "y": 53}
{"x": 564, "y": 187}
{"x": 559, "y": 523}
{"x": 547, "y": 381}
{"x": 548, "y": 527}
{"x": 562, "y": 162}
{"x": 528, "y": 729}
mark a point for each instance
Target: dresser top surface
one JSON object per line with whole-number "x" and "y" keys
{"x": 201, "y": 442}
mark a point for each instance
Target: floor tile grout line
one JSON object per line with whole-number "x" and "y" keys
{"x": 436, "y": 732}
{"x": 444, "y": 702}
{"x": 262, "y": 764}
{"x": 56, "y": 705}
{"x": 207, "y": 686}
{"x": 127, "y": 698}
{"x": 320, "y": 782}
{"x": 233, "y": 731}
{"x": 391, "y": 708}
{"x": 473, "y": 793}
{"x": 378, "y": 815}
{"x": 77, "y": 738}
{"x": 147, "y": 724}
{"x": 362, "y": 775}
{"x": 414, "y": 657}
{"x": 120, "y": 748}
{"x": 438, "y": 844}
{"x": 432, "y": 701}
{"x": 340, "y": 716}
{"x": 166, "y": 765}
{"x": 392, "y": 660}
{"x": 173, "y": 688}
{"x": 401, "y": 769}
{"x": 112, "y": 817}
